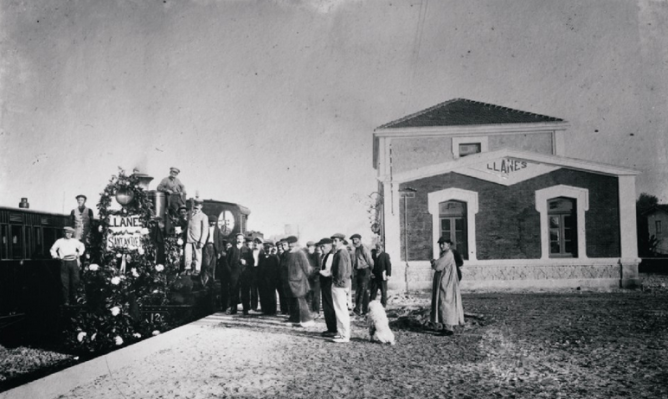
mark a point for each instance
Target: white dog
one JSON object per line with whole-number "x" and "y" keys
{"x": 379, "y": 327}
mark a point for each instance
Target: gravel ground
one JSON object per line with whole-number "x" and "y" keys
{"x": 529, "y": 345}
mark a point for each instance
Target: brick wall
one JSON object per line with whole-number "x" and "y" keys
{"x": 507, "y": 224}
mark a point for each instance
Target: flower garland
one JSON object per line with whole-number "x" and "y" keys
{"x": 124, "y": 278}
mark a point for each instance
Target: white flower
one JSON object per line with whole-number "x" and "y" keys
{"x": 116, "y": 280}
{"x": 136, "y": 335}
{"x": 135, "y": 272}
{"x": 128, "y": 258}
{"x": 99, "y": 228}
{"x": 94, "y": 267}
{"x": 159, "y": 268}
{"x": 115, "y": 311}
{"x": 87, "y": 256}
{"x": 140, "y": 251}
{"x": 118, "y": 340}
{"x": 156, "y": 291}
{"x": 92, "y": 337}
{"x": 131, "y": 247}
{"x": 144, "y": 231}
{"x": 119, "y": 255}
{"x": 155, "y": 332}
{"x": 81, "y": 336}
{"x": 179, "y": 241}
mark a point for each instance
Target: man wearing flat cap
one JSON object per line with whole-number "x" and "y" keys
{"x": 362, "y": 267}
{"x": 341, "y": 272}
{"x": 270, "y": 276}
{"x": 81, "y": 218}
{"x": 298, "y": 269}
{"x": 175, "y": 192}
{"x": 68, "y": 250}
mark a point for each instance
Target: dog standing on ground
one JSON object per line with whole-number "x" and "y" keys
{"x": 379, "y": 326}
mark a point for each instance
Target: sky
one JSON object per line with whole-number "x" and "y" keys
{"x": 272, "y": 104}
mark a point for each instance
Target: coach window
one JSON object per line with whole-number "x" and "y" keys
{"x": 453, "y": 224}
{"x": 49, "y": 239}
{"x": 17, "y": 241}
{"x": 3, "y": 242}
{"x": 37, "y": 244}
{"x": 563, "y": 227}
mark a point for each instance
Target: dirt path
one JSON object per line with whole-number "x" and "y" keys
{"x": 576, "y": 345}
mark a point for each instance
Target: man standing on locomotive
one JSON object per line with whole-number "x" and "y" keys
{"x": 68, "y": 250}
{"x": 198, "y": 230}
{"x": 81, "y": 218}
{"x": 175, "y": 193}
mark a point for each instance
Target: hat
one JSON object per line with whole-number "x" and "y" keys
{"x": 338, "y": 235}
{"x": 310, "y": 244}
{"x": 174, "y": 169}
{"x": 69, "y": 229}
{"x": 239, "y": 234}
{"x": 292, "y": 239}
{"x": 81, "y": 196}
{"x": 352, "y": 237}
{"x": 325, "y": 241}
{"x": 269, "y": 242}
{"x": 183, "y": 207}
{"x": 249, "y": 238}
{"x": 199, "y": 201}
{"x": 258, "y": 240}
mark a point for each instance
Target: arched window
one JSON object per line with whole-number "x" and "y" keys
{"x": 452, "y": 215}
{"x": 562, "y": 218}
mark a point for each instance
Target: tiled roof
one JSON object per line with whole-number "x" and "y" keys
{"x": 657, "y": 207}
{"x": 463, "y": 112}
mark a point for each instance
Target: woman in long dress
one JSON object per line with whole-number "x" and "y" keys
{"x": 446, "y": 299}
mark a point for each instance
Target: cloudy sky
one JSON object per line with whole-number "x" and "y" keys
{"x": 272, "y": 104}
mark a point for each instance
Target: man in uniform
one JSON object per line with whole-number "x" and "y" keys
{"x": 68, "y": 250}
{"x": 198, "y": 230}
{"x": 81, "y": 218}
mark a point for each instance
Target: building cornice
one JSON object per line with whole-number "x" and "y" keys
{"x": 474, "y": 130}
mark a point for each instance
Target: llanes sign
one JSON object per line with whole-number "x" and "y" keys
{"x": 125, "y": 232}
{"x": 507, "y": 170}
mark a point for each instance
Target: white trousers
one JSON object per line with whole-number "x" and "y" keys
{"x": 340, "y": 301}
{"x": 191, "y": 248}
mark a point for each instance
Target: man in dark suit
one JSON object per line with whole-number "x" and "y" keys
{"x": 298, "y": 271}
{"x": 239, "y": 259}
{"x": 382, "y": 270}
{"x": 269, "y": 270}
{"x": 326, "y": 286}
{"x": 313, "y": 296}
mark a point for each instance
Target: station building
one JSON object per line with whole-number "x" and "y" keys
{"x": 498, "y": 183}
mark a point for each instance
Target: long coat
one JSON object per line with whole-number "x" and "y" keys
{"x": 298, "y": 271}
{"x": 446, "y": 299}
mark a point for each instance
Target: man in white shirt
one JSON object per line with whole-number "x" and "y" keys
{"x": 326, "y": 286}
{"x": 198, "y": 231}
{"x": 68, "y": 250}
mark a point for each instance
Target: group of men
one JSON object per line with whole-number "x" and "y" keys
{"x": 294, "y": 280}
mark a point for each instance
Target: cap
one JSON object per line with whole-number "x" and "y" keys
{"x": 310, "y": 244}
{"x": 239, "y": 234}
{"x": 173, "y": 169}
{"x": 325, "y": 241}
{"x": 338, "y": 235}
{"x": 68, "y": 229}
{"x": 258, "y": 240}
{"x": 444, "y": 239}
{"x": 269, "y": 242}
{"x": 198, "y": 201}
{"x": 183, "y": 207}
{"x": 291, "y": 239}
{"x": 352, "y": 237}
{"x": 81, "y": 196}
